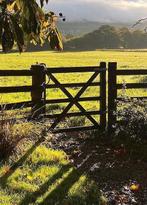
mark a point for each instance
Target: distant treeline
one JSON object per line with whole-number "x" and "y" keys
{"x": 109, "y": 37}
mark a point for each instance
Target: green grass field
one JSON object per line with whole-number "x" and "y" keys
{"x": 128, "y": 59}
{"x": 43, "y": 175}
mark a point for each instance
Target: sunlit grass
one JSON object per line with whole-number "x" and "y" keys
{"x": 125, "y": 60}
{"x": 46, "y": 177}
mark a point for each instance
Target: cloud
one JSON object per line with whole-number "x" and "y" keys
{"x": 101, "y": 10}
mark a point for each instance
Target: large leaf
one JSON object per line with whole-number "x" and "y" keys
{"x": 25, "y": 19}
{"x": 7, "y": 36}
{"x": 18, "y": 34}
{"x": 55, "y": 40}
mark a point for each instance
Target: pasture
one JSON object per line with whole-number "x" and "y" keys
{"x": 40, "y": 174}
{"x": 127, "y": 59}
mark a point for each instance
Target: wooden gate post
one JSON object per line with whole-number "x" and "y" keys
{"x": 112, "y": 95}
{"x": 103, "y": 96}
{"x": 38, "y": 91}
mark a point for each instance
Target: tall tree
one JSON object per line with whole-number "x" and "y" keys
{"x": 24, "y": 21}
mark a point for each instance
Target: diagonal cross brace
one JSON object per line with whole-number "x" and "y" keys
{"x": 74, "y": 100}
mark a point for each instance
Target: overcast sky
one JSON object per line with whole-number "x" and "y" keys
{"x": 100, "y": 10}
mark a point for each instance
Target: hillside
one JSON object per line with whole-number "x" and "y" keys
{"x": 109, "y": 37}
{"x": 82, "y": 27}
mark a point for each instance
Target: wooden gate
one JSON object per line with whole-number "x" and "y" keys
{"x": 39, "y": 79}
{"x": 40, "y": 86}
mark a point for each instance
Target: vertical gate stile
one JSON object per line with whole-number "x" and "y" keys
{"x": 38, "y": 90}
{"x": 112, "y": 95}
{"x": 103, "y": 96}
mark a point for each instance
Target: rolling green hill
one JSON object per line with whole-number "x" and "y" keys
{"x": 109, "y": 37}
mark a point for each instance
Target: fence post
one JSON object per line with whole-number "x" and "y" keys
{"x": 112, "y": 95}
{"x": 38, "y": 91}
{"x": 103, "y": 96}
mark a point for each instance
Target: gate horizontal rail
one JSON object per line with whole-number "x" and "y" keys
{"x": 39, "y": 88}
{"x": 39, "y": 103}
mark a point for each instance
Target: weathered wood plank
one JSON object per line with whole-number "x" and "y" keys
{"x": 74, "y": 69}
{"x": 16, "y": 89}
{"x": 132, "y": 72}
{"x": 66, "y": 100}
{"x": 72, "y": 85}
{"x": 9, "y": 73}
{"x": 38, "y": 95}
{"x": 112, "y": 95}
{"x": 130, "y": 98}
{"x": 103, "y": 97}
{"x": 132, "y": 85}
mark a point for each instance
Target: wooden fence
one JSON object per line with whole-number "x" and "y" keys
{"x": 39, "y": 87}
{"x": 113, "y": 87}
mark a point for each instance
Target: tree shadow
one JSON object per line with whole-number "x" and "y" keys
{"x": 4, "y": 178}
{"x": 60, "y": 193}
{"x": 110, "y": 165}
{"x": 32, "y": 197}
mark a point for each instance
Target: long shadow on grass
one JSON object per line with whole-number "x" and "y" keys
{"x": 32, "y": 197}
{"x": 61, "y": 191}
{"x": 19, "y": 163}
{"x": 57, "y": 195}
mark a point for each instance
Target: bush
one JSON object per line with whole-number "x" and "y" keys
{"x": 12, "y": 131}
{"x": 132, "y": 115}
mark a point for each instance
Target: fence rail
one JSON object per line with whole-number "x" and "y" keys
{"x": 20, "y": 73}
{"x": 113, "y": 87}
{"x": 40, "y": 86}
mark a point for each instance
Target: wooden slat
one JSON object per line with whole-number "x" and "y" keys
{"x": 16, "y": 73}
{"x": 132, "y": 85}
{"x": 112, "y": 95}
{"x": 74, "y": 100}
{"x": 72, "y": 85}
{"x": 14, "y": 106}
{"x": 103, "y": 120}
{"x": 74, "y": 129}
{"x": 74, "y": 114}
{"x": 55, "y": 101}
{"x": 135, "y": 97}
{"x": 16, "y": 89}
{"x": 132, "y": 72}
{"x": 74, "y": 69}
